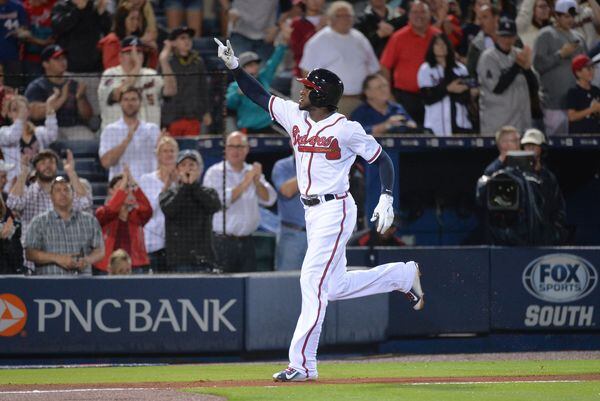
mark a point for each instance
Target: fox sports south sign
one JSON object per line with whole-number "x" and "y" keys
{"x": 560, "y": 278}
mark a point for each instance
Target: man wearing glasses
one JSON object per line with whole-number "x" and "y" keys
{"x": 246, "y": 189}
{"x": 63, "y": 241}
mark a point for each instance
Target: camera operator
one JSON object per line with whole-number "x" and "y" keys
{"x": 522, "y": 202}
{"x": 188, "y": 209}
{"x": 507, "y": 139}
{"x": 550, "y": 199}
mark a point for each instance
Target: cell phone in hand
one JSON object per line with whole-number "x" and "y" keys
{"x": 470, "y": 82}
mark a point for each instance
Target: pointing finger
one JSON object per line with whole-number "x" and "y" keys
{"x": 219, "y": 42}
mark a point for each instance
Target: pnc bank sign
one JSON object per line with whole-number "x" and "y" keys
{"x": 112, "y": 315}
{"x": 13, "y": 315}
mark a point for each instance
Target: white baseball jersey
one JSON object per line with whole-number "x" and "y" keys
{"x": 149, "y": 83}
{"x": 324, "y": 150}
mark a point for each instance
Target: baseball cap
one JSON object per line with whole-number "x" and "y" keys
{"x": 579, "y": 62}
{"x": 130, "y": 42}
{"x": 190, "y": 154}
{"x": 52, "y": 51}
{"x": 180, "y": 31}
{"x": 566, "y": 6}
{"x": 507, "y": 27}
{"x": 248, "y": 57}
{"x": 44, "y": 154}
{"x": 533, "y": 135}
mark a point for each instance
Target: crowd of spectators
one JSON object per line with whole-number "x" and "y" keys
{"x": 109, "y": 71}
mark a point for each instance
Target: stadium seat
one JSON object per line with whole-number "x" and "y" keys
{"x": 187, "y": 143}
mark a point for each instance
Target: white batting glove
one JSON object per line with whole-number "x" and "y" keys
{"x": 384, "y": 213}
{"x": 225, "y": 53}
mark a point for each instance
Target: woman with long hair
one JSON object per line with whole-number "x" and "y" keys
{"x": 533, "y": 16}
{"x": 444, "y": 85}
{"x": 127, "y": 21}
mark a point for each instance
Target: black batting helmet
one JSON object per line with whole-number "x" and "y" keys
{"x": 327, "y": 88}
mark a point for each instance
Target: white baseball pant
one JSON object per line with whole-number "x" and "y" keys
{"x": 324, "y": 277}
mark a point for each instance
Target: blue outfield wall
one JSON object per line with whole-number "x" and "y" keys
{"x": 456, "y": 284}
{"x": 468, "y": 290}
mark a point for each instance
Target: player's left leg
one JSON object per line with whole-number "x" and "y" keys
{"x": 329, "y": 227}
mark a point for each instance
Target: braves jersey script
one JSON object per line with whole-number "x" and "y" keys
{"x": 324, "y": 150}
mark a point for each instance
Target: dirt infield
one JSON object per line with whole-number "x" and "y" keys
{"x": 165, "y": 391}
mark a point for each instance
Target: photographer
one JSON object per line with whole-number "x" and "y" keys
{"x": 507, "y": 82}
{"x": 507, "y": 139}
{"x": 123, "y": 217}
{"x": 188, "y": 209}
{"x": 522, "y": 202}
{"x": 549, "y": 197}
{"x": 446, "y": 89}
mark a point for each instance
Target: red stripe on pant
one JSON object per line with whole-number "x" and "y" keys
{"x": 321, "y": 285}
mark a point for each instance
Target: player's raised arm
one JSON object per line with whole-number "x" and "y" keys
{"x": 247, "y": 83}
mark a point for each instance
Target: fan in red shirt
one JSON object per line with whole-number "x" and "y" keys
{"x": 123, "y": 217}
{"x": 404, "y": 54}
{"x": 39, "y": 14}
{"x": 303, "y": 28}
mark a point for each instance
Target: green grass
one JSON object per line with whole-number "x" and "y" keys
{"x": 176, "y": 373}
{"x": 586, "y": 391}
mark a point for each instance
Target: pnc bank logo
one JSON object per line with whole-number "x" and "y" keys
{"x": 13, "y": 315}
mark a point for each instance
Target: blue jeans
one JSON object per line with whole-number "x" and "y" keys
{"x": 291, "y": 248}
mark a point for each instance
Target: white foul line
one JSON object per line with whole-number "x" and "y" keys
{"x": 77, "y": 390}
{"x": 496, "y": 382}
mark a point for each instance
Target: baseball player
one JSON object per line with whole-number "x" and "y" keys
{"x": 325, "y": 147}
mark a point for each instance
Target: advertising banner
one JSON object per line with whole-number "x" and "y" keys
{"x": 545, "y": 289}
{"x": 121, "y": 315}
{"x": 456, "y": 282}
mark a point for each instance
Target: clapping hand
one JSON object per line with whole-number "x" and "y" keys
{"x": 7, "y": 229}
{"x": 226, "y": 54}
{"x": 69, "y": 163}
{"x": 256, "y": 171}
{"x": 52, "y": 101}
{"x": 523, "y": 58}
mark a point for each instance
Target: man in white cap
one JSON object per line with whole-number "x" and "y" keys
{"x": 551, "y": 202}
{"x": 555, "y": 47}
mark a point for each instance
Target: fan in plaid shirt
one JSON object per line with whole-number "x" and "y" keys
{"x": 64, "y": 241}
{"x": 33, "y": 200}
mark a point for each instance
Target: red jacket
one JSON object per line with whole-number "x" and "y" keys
{"x": 108, "y": 216}
{"x": 302, "y": 30}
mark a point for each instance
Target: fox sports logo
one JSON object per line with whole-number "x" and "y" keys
{"x": 560, "y": 278}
